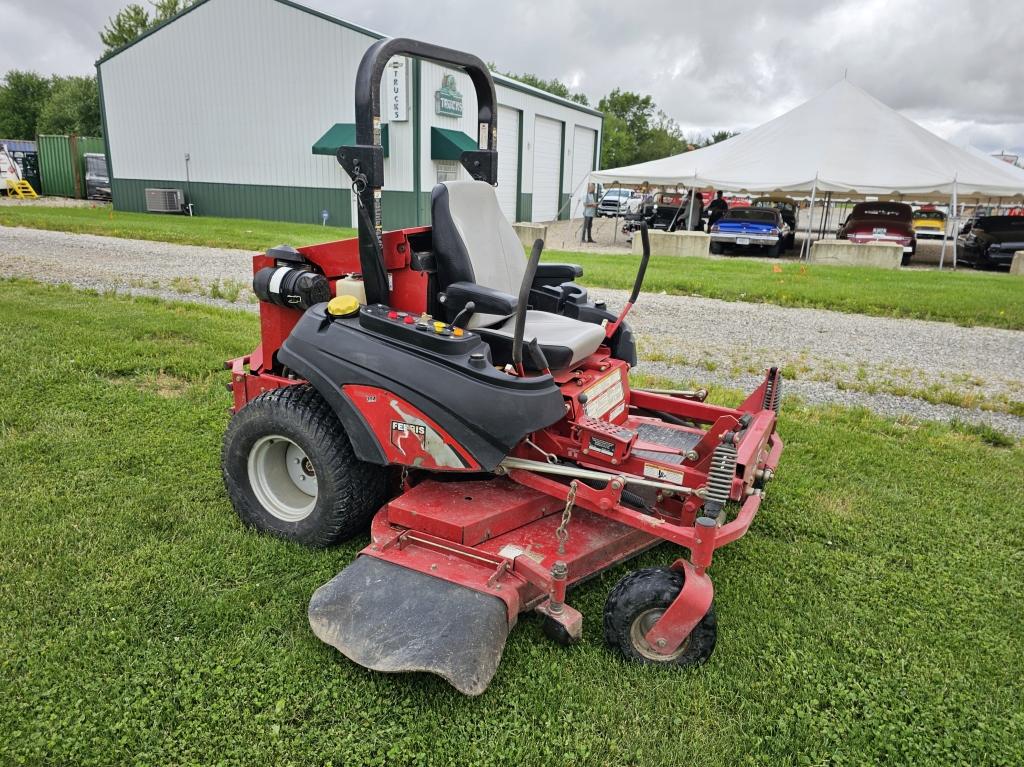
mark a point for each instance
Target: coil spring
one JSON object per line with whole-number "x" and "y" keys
{"x": 721, "y": 474}
{"x": 772, "y": 391}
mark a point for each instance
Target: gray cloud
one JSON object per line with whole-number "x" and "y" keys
{"x": 952, "y": 66}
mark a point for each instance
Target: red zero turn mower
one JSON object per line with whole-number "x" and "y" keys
{"x": 476, "y": 413}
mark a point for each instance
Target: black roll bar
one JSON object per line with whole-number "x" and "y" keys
{"x": 364, "y": 162}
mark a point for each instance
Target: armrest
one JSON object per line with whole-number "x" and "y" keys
{"x": 563, "y": 272}
{"x": 487, "y": 300}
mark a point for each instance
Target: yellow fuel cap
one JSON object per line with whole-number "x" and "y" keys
{"x": 342, "y": 306}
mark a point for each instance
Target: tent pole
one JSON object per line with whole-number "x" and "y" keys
{"x": 810, "y": 219}
{"x": 955, "y": 224}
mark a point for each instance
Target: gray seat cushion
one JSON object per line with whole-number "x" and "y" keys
{"x": 564, "y": 341}
{"x": 474, "y": 242}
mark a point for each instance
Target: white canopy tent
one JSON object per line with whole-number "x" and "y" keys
{"x": 844, "y": 142}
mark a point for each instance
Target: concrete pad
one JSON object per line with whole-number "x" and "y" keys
{"x": 1017, "y": 265}
{"x": 530, "y": 232}
{"x": 881, "y": 255}
{"x": 675, "y": 243}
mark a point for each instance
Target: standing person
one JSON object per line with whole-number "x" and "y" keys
{"x": 589, "y": 209}
{"x": 698, "y": 211}
{"x": 718, "y": 208}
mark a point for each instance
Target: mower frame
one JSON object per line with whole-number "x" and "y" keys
{"x": 521, "y": 525}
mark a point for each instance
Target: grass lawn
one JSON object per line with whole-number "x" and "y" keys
{"x": 871, "y": 616}
{"x": 965, "y": 297}
{"x": 242, "y": 233}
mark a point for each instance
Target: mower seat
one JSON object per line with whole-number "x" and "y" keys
{"x": 479, "y": 257}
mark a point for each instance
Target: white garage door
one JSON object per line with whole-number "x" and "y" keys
{"x": 582, "y": 163}
{"x": 547, "y": 160}
{"x": 508, "y": 160}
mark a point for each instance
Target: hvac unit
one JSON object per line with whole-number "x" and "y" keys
{"x": 165, "y": 200}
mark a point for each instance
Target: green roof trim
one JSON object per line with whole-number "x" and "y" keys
{"x": 344, "y": 134}
{"x": 448, "y": 144}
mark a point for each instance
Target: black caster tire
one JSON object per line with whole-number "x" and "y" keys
{"x": 636, "y": 603}
{"x": 291, "y": 472}
{"x": 556, "y": 632}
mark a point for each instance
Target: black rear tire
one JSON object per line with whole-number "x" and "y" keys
{"x": 717, "y": 248}
{"x": 634, "y": 605}
{"x": 774, "y": 250}
{"x": 293, "y": 424}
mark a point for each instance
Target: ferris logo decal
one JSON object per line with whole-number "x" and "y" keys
{"x": 401, "y": 431}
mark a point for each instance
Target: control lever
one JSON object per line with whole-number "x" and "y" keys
{"x": 637, "y": 284}
{"x": 464, "y": 315}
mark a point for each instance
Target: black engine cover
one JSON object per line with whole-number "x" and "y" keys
{"x": 450, "y": 379}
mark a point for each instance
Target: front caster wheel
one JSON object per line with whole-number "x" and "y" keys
{"x": 635, "y": 605}
{"x": 291, "y": 471}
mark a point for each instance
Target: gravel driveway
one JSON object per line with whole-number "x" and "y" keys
{"x": 929, "y": 370}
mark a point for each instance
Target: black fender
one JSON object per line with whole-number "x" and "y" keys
{"x": 364, "y": 441}
{"x": 453, "y": 382}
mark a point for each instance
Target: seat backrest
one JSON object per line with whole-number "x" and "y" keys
{"x": 473, "y": 241}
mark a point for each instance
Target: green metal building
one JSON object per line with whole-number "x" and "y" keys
{"x": 241, "y": 104}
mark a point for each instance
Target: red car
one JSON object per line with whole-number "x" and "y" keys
{"x": 882, "y": 222}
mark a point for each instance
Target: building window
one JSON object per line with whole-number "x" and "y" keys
{"x": 447, "y": 170}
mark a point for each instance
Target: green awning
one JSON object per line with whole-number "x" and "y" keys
{"x": 344, "y": 134}
{"x": 448, "y": 144}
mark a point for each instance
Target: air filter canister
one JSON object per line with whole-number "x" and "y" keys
{"x": 290, "y": 286}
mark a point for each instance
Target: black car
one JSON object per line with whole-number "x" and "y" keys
{"x": 991, "y": 241}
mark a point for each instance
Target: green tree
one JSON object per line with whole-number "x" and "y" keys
{"x": 131, "y": 21}
{"x": 636, "y": 131}
{"x": 716, "y": 137}
{"x": 553, "y": 86}
{"x": 73, "y": 107}
{"x": 22, "y": 97}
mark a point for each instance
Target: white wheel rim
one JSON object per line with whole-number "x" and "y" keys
{"x": 282, "y": 478}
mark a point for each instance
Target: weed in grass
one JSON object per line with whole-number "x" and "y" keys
{"x": 186, "y": 285}
{"x": 227, "y": 289}
{"x": 987, "y": 434}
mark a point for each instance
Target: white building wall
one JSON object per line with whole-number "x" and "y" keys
{"x": 245, "y": 87}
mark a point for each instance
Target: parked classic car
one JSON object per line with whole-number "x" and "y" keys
{"x": 665, "y": 211}
{"x": 881, "y": 222}
{"x": 619, "y": 202}
{"x": 929, "y": 222}
{"x": 991, "y": 241}
{"x": 751, "y": 228}
{"x": 785, "y": 205}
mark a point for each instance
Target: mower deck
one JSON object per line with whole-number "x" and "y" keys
{"x": 457, "y": 558}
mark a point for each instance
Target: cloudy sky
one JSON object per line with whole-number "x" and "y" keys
{"x": 953, "y": 66}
